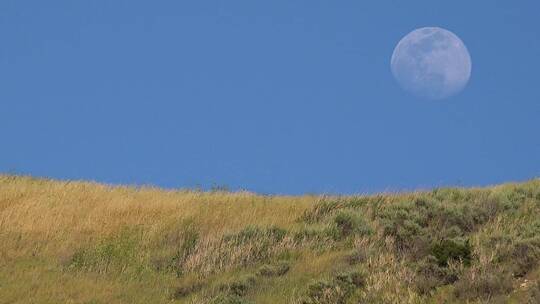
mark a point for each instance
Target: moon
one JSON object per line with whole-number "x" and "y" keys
{"x": 432, "y": 63}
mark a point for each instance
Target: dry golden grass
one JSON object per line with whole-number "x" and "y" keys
{"x": 83, "y": 242}
{"x": 64, "y": 214}
{"x": 52, "y": 220}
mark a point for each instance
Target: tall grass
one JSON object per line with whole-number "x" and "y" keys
{"x": 80, "y": 242}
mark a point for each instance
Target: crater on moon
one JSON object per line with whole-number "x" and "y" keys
{"x": 432, "y": 63}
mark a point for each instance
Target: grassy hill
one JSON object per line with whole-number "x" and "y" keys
{"x": 77, "y": 242}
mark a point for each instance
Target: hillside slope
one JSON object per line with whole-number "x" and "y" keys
{"x": 76, "y": 242}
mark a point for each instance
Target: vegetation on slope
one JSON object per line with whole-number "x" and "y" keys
{"x": 74, "y": 242}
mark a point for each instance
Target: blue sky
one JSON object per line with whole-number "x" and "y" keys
{"x": 270, "y": 96}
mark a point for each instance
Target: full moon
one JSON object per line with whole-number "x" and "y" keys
{"x": 432, "y": 63}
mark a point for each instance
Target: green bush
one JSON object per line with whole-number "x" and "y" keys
{"x": 415, "y": 225}
{"x": 449, "y": 250}
{"x": 324, "y": 292}
{"x": 335, "y": 291}
{"x": 408, "y": 236}
{"x": 349, "y": 223}
{"x": 240, "y": 286}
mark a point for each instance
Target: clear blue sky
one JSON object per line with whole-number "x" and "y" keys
{"x": 269, "y": 96}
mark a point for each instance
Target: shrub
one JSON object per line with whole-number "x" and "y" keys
{"x": 349, "y": 223}
{"x": 465, "y": 210}
{"x": 448, "y": 250}
{"x": 324, "y": 292}
{"x": 335, "y": 291}
{"x": 404, "y": 223}
{"x": 240, "y": 286}
{"x": 408, "y": 236}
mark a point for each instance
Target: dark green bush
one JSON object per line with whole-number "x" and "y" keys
{"x": 449, "y": 250}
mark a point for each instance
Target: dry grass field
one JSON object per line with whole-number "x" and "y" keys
{"x": 81, "y": 242}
